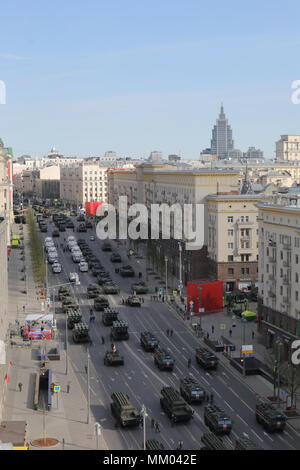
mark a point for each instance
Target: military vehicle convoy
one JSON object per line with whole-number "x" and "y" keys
{"x": 217, "y": 420}
{"x": 100, "y": 303}
{"x": 80, "y": 333}
{"x": 133, "y": 301}
{"x": 192, "y": 391}
{"x": 111, "y": 288}
{"x": 93, "y": 291}
{"x": 113, "y": 358}
{"x": 126, "y": 271}
{"x": 148, "y": 341}
{"x": 124, "y": 412}
{"x": 139, "y": 288}
{"x": 269, "y": 417}
{"x": 212, "y": 442}
{"x": 153, "y": 444}
{"x": 69, "y": 303}
{"x": 175, "y": 406}
{"x": 109, "y": 316}
{"x": 115, "y": 258}
{"x": 206, "y": 359}
{"x": 163, "y": 359}
{"x": 63, "y": 292}
{"x": 73, "y": 317}
{"x": 119, "y": 330}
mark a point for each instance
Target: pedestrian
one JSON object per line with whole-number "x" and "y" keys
{"x": 168, "y": 332}
{"x": 211, "y": 398}
{"x": 230, "y": 332}
{"x": 143, "y": 300}
{"x": 189, "y": 362}
{"x": 152, "y": 423}
{"x": 252, "y": 334}
{"x": 86, "y": 369}
{"x": 171, "y": 333}
{"x": 207, "y": 335}
{"x": 27, "y": 445}
{"x": 23, "y": 308}
{"x": 20, "y": 385}
{"x": 212, "y": 329}
{"x": 102, "y": 339}
{"x": 163, "y": 298}
{"x": 179, "y": 446}
{"x": 207, "y": 398}
{"x": 157, "y": 427}
{"x": 68, "y": 388}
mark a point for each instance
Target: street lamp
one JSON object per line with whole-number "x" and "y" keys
{"x": 180, "y": 269}
{"x": 166, "y": 261}
{"x": 279, "y": 344}
{"x": 144, "y": 414}
{"x": 244, "y": 330}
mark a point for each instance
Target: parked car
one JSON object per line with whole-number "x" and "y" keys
{"x": 83, "y": 266}
{"x": 56, "y": 268}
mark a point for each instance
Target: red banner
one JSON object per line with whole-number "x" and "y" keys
{"x": 204, "y": 295}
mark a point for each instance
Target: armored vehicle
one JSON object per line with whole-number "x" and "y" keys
{"x": 212, "y": 442}
{"x": 106, "y": 246}
{"x": 100, "y": 303}
{"x": 113, "y": 358}
{"x": 80, "y": 333}
{"x": 119, "y": 330}
{"x": 192, "y": 391}
{"x": 124, "y": 412}
{"x": 103, "y": 277}
{"x": 206, "y": 359}
{"x": 109, "y": 316}
{"x": 174, "y": 405}
{"x": 153, "y": 444}
{"x": 127, "y": 271}
{"x": 270, "y": 418}
{"x": 245, "y": 443}
{"x": 163, "y": 359}
{"x": 115, "y": 258}
{"x": 111, "y": 288}
{"x": 139, "y": 288}
{"x": 217, "y": 420}
{"x": 73, "y": 317}
{"x": 63, "y": 292}
{"x": 81, "y": 228}
{"x": 93, "y": 290}
{"x": 96, "y": 268}
{"x": 69, "y": 303}
{"x": 133, "y": 301}
{"x": 148, "y": 341}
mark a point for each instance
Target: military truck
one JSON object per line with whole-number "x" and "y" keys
{"x": 115, "y": 258}
{"x": 100, "y": 303}
{"x": 110, "y": 288}
{"x": 212, "y": 442}
{"x": 113, "y": 358}
{"x": 73, "y": 317}
{"x": 69, "y": 303}
{"x": 139, "y": 288}
{"x": 93, "y": 290}
{"x": 80, "y": 333}
{"x": 124, "y": 412}
{"x": 163, "y": 359}
{"x": 133, "y": 301}
{"x": 175, "y": 406}
{"x": 63, "y": 292}
{"x": 153, "y": 444}
{"x": 206, "y": 359}
{"x": 106, "y": 246}
{"x": 119, "y": 330}
{"x": 217, "y": 420}
{"x": 192, "y": 391}
{"x": 245, "y": 443}
{"x": 269, "y": 417}
{"x": 109, "y": 316}
{"x": 103, "y": 277}
{"x": 126, "y": 271}
{"x": 148, "y": 341}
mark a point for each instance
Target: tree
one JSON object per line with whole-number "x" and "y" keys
{"x": 291, "y": 377}
{"x": 271, "y": 363}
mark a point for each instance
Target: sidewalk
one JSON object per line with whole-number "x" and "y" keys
{"x": 67, "y": 419}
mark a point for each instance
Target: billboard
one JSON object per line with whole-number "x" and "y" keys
{"x": 91, "y": 208}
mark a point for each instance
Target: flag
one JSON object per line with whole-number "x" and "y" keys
{"x": 6, "y": 378}
{"x": 270, "y": 242}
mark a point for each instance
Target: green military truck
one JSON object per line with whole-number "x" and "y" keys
{"x": 148, "y": 341}
{"x": 163, "y": 359}
{"x": 217, "y": 420}
{"x": 126, "y": 271}
{"x": 63, "y": 292}
{"x": 212, "y": 442}
{"x": 119, "y": 330}
{"x": 73, "y": 317}
{"x": 80, "y": 333}
{"x": 111, "y": 288}
{"x": 139, "y": 288}
{"x": 192, "y": 391}
{"x": 124, "y": 412}
{"x": 133, "y": 301}
{"x": 93, "y": 290}
{"x": 269, "y": 417}
{"x": 69, "y": 303}
{"x": 175, "y": 406}
{"x": 109, "y": 316}
{"x": 206, "y": 359}
{"x": 113, "y": 358}
{"x": 100, "y": 303}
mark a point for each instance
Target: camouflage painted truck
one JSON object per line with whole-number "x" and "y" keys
{"x": 73, "y": 317}
{"x": 175, "y": 406}
{"x": 80, "y": 333}
{"x": 123, "y": 411}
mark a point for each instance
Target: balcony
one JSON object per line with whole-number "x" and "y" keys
{"x": 272, "y": 260}
{"x": 286, "y": 281}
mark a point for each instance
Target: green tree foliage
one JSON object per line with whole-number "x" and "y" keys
{"x": 36, "y": 249}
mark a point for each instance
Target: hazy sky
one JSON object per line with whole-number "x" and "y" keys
{"x": 136, "y": 76}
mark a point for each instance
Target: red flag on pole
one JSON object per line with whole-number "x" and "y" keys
{"x": 6, "y": 378}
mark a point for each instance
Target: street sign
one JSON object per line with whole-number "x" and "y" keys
{"x": 247, "y": 349}
{"x": 223, "y": 326}
{"x": 56, "y": 388}
{"x": 191, "y": 302}
{"x": 201, "y": 309}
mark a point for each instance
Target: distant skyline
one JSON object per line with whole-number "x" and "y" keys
{"x": 133, "y": 77}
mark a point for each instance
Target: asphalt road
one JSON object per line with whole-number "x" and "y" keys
{"x": 140, "y": 378}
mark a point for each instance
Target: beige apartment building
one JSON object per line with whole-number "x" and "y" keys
{"x": 48, "y": 183}
{"x": 165, "y": 183}
{"x": 279, "y": 272}
{"x": 233, "y": 239}
{"x": 83, "y": 183}
{"x": 288, "y": 148}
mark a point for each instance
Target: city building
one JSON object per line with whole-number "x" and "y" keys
{"x": 279, "y": 271}
{"x": 48, "y": 182}
{"x": 288, "y": 148}
{"x": 221, "y": 142}
{"x": 254, "y": 153}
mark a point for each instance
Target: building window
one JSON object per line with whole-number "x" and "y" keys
{"x": 230, "y": 233}
{"x": 296, "y": 295}
{"x": 230, "y": 271}
{"x": 297, "y": 259}
{"x": 296, "y": 277}
{"x": 230, "y": 219}
{"x": 230, "y": 258}
{"x": 230, "y": 246}
{"x": 281, "y": 290}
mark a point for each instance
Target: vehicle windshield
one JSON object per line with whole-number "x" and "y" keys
{"x": 224, "y": 421}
